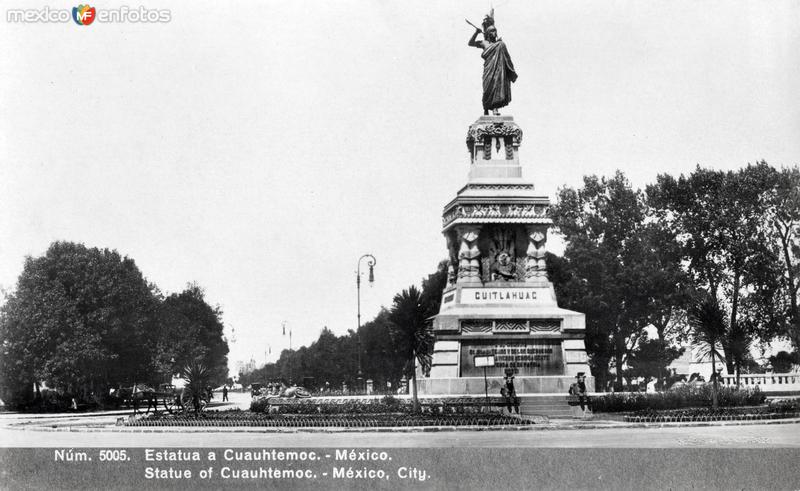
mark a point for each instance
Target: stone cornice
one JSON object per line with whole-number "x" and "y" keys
{"x": 496, "y": 213}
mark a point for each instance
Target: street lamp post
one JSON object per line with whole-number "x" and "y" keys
{"x": 290, "y": 350}
{"x": 371, "y": 263}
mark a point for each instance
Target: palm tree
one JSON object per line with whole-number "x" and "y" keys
{"x": 707, "y": 320}
{"x": 411, "y": 332}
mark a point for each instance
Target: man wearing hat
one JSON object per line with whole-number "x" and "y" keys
{"x": 579, "y": 389}
{"x": 509, "y": 392}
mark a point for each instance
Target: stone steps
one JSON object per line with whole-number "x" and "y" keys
{"x": 554, "y": 406}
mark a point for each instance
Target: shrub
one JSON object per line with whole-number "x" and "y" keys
{"x": 259, "y": 404}
{"x": 677, "y": 398}
{"x": 785, "y": 405}
{"x": 384, "y": 405}
{"x": 342, "y": 406}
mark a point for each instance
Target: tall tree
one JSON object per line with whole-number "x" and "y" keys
{"x": 381, "y": 362}
{"x": 604, "y": 274}
{"x": 650, "y": 359}
{"x": 737, "y": 341}
{"x": 432, "y": 288}
{"x": 720, "y": 218}
{"x": 783, "y": 218}
{"x": 191, "y": 332}
{"x": 412, "y": 335}
{"x": 81, "y": 319}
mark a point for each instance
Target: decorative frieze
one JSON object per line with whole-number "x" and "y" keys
{"x": 510, "y": 326}
{"x": 501, "y": 187}
{"x": 499, "y": 212}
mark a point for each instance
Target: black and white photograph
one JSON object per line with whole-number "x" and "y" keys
{"x": 371, "y": 244}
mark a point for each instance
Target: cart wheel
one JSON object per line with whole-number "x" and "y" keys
{"x": 186, "y": 401}
{"x": 203, "y": 404}
{"x": 171, "y": 404}
{"x": 135, "y": 404}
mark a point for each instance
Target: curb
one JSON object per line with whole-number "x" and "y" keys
{"x": 408, "y": 429}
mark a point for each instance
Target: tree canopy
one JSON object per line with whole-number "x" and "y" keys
{"x": 635, "y": 259}
{"x": 84, "y": 319}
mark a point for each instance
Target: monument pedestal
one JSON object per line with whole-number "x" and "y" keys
{"x": 499, "y": 301}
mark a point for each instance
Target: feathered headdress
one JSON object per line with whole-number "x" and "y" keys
{"x": 488, "y": 20}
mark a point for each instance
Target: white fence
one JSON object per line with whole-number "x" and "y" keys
{"x": 767, "y": 382}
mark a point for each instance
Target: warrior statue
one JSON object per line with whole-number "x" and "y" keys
{"x": 498, "y": 71}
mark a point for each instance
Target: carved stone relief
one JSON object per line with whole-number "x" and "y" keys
{"x": 535, "y": 267}
{"x": 469, "y": 266}
{"x": 483, "y": 211}
{"x": 480, "y": 136}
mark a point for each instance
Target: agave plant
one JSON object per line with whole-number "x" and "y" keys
{"x": 195, "y": 391}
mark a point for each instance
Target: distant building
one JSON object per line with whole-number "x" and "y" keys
{"x": 245, "y": 367}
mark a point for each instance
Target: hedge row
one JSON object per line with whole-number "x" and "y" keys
{"x": 682, "y": 397}
{"x": 387, "y": 404}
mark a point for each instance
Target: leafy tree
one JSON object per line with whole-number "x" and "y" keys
{"x": 663, "y": 288}
{"x": 412, "y": 335}
{"x": 783, "y": 361}
{"x": 85, "y": 319}
{"x": 381, "y": 362}
{"x": 191, "y": 332}
{"x": 432, "y": 288}
{"x": 650, "y": 359}
{"x": 612, "y": 269}
{"x": 707, "y": 320}
{"x": 719, "y": 217}
{"x": 737, "y": 342}
{"x": 783, "y": 218}
{"x": 571, "y": 288}
{"x": 80, "y": 320}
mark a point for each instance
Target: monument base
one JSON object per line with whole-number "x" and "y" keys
{"x": 475, "y": 386}
{"x": 499, "y": 313}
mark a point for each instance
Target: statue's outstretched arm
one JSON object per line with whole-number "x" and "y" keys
{"x": 473, "y": 41}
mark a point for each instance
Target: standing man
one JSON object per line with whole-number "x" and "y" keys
{"x": 510, "y": 391}
{"x": 224, "y": 393}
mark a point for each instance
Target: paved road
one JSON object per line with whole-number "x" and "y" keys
{"x": 728, "y": 436}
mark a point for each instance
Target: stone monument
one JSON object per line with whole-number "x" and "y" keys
{"x": 499, "y": 301}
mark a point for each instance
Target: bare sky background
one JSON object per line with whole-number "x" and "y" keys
{"x": 260, "y": 148}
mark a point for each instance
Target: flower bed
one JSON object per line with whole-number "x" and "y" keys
{"x": 683, "y": 397}
{"x": 236, "y": 418}
{"x": 709, "y": 414}
{"x": 388, "y": 404}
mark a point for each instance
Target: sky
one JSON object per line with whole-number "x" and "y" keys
{"x": 259, "y": 149}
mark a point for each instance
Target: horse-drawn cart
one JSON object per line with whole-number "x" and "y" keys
{"x": 174, "y": 400}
